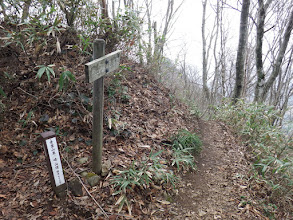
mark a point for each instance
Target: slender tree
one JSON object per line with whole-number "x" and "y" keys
{"x": 25, "y": 11}
{"x": 264, "y": 87}
{"x": 204, "y": 53}
{"x": 70, "y": 9}
{"x": 3, "y": 9}
{"x": 158, "y": 36}
{"x": 242, "y": 44}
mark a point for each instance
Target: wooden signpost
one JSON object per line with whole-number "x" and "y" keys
{"x": 95, "y": 71}
{"x": 54, "y": 163}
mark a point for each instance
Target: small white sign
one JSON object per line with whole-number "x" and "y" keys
{"x": 55, "y": 161}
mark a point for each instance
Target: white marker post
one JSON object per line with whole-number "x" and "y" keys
{"x": 95, "y": 71}
{"x": 54, "y": 163}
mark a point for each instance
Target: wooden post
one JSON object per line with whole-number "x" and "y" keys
{"x": 98, "y": 106}
{"x": 94, "y": 72}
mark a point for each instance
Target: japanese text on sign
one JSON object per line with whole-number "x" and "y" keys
{"x": 55, "y": 161}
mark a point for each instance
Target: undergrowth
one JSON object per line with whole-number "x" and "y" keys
{"x": 155, "y": 170}
{"x": 185, "y": 146}
{"x": 272, "y": 150}
{"x": 187, "y": 140}
{"x": 142, "y": 175}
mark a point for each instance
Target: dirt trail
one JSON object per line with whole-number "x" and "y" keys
{"x": 218, "y": 189}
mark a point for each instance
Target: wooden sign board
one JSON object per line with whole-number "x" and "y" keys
{"x": 102, "y": 66}
{"x": 54, "y": 163}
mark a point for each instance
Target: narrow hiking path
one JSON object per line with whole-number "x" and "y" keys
{"x": 218, "y": 189}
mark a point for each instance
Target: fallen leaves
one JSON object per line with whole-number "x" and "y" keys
{"x": 145, "y": 121}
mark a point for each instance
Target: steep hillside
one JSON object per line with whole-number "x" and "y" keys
{"x": 140, "y": 116}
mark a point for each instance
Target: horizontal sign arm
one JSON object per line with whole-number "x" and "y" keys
{"x": 102, "y": 66}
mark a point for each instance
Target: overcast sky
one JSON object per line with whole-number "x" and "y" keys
{"x": 186, "y": 34}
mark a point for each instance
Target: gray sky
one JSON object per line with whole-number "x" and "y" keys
{"x": 186, "y": 34}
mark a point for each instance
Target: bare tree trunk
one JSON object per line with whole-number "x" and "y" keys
{"x": 204, "y": 54}
{"x": 258, "y": 50}
{"x": 214, "y": 89}
{"x": 3, "y": 10}
{"x": 25, "y": 10}
{"x": 149, "y": 46}
{"x": 240, "y": 61}
{"x": 140, "y": 46}
{"x": 278, "y": 63}
{"x": 104, "y": 7}
{"x": 70, "y": 9}
{"x": 113, "y": 11}
{"x": 223, "y": 54}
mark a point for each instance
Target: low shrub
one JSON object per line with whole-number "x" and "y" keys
{"x": 188, "y": 141}
{"x": 184, "y": 146}
{"x": 273, "y": 154}
{"x": 141, "y": 175}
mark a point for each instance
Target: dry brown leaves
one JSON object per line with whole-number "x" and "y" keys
{"x": 146, "y": 121}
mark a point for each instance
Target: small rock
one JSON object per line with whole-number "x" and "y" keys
{"x": 3, "y": 149}
{"x": 106, "y": 168}
{"x": 2, "y": 163}
{"x": 44, "y": 118}
{"x": 83, "y": 160}
{"x": 93, "y": 180}
{"x": 201, "y": 213}
{"x": 75, "y": 187}
{"x": 84, "y": 174}
{"x": 217, "y": 217}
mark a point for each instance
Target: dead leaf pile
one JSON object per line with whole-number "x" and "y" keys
{"x": 133, "y": 127}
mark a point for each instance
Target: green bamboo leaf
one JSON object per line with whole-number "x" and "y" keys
{"x": 51, "y": 70}
{"x": 48, "y": 75}
{"x": 264, "y": 169}
{"x": 2, "y": 92}
{"x": 41, "y": 72}
{"x": 70, "y": 75}
{"x": 61, "y": 82}
{"x": 156, "y": 154}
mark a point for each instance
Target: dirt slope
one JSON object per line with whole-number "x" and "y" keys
{"x": 143, "y": 116}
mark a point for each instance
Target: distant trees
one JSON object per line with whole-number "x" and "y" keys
{"x": 213, "y": 45}
{"x": 260, "y": 69}
{"x": 158, "y": 32}
{"x": 131, "y": 25}
{"x": 266, "y": 74}
{"x": 262, "y": 86}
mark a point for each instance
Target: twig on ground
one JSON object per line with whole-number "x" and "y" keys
{"x": 81, "y": 102}
{"x": 27, "y": 93}
{"x": 121, "y": 215}
{"x": 95, "y": 201}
